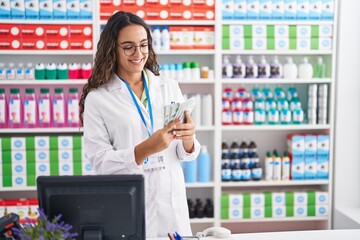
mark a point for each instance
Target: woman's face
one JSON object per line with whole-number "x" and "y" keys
{"x": 132, "y": 50}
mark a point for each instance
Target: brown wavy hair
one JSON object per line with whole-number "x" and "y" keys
{"x": 105, "y": 62}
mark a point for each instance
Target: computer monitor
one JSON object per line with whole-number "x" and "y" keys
{"x": 98, "y": 207}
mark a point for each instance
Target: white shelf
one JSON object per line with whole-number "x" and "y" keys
{"x": 186, "y": 52}
{"x": 276, "y": 22}
{"x": 45, "y": 22}
{"x": 201, "y": 81}
{"x": 199, "y": 185}
{"x": 276, "y": 127}
{"x": 47, "y": 52}
{"x": 42, "y": 82}
{"x": 174, "y": 22}
{"x": 286, "y": 219}
{"x": 202, "y": 220}
{"x": 12, "y": 189}
{"x": 205, "y": 128}
{"x": 42, "y": 130}
{"x": 275, "y": 183}
{"x": 274, "y": 80}
{"x": 277, "y": 52}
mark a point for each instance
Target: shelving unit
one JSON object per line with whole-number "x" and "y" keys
{"x": 269, "y": 136}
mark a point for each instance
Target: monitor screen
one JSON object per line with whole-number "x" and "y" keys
{"x": 98, "y": 207}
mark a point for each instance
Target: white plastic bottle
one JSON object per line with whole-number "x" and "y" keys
{"x": 10, "y": 72}
{"x": 165, "y": 38}
{"x": 263, "y": 68}
{"x": 29, "y": 72}
{"x": 251, "y": 68}
{"x": 305, "y": 69}
{"x": 290, "y": 69}
{"x": 227, "y": 68}
{"x": 239, "y": 68}
{"x": 206, "y": 110}
{"x": 20, "y": 72}
{"x": 2, "y": 71}
{"x": 276, "y": 68}
{"x": 156, "y": 38}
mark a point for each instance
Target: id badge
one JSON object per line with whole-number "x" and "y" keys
{"x": 154, "y": 163}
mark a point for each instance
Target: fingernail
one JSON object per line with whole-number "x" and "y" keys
{"x": 178, "y": 119}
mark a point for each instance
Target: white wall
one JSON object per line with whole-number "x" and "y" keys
{"x": 347, "y": 127}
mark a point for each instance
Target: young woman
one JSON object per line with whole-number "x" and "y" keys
{"x": 122, "y": 111}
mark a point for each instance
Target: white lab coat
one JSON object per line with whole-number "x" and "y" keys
{"x": 112, "y": 129}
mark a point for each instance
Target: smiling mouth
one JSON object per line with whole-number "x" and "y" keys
{"x": 136, "y": 61}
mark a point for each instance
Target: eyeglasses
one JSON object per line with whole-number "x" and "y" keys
{"x": 131, "y": 49}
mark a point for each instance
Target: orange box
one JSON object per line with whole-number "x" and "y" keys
{"x": 204, "y": 37}
{"x": 140, "y": 12}
{"x": 157, "y": 13}
{"x": 181, "y": 13}
{"x": 81, "y": 44}
{"x": 133, "y": 3}
{"x": 110, "y": 3}
{"x": 10, "y": 43}
{"x": 57, "y": 44}
{"x": 181, "y": 37}
{"x": 157, "y": 3}
{"x": 80, "y": 31}
{"x": 204, "y": 3}
{"x": 10, "y": 30}
{"x": 32, "y": 44}
{"x": 203, "y": 14}
{"x": 180, "y": 3}
{"x": 56, "y": 31}
{"x": 30, "y": 31}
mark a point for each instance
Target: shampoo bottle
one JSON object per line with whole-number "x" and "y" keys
{"x": 305, "y": 69}
{"x": 319, "y": 71}
{"x": 239, "y": 68}
{"x": 290, "y": 69}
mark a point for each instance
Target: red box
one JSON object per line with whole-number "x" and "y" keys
{"x": 133, "y": 3}
{"x": 203, "y": 14}
{"x": 81, "y": 44}
{"x": 108, "y": 11}
{"x": 31, "y": 31}
{"x": 204, "y": 3}
{"x": 56, "y": 31}
{"x": 10, "y": 43}
{"x": 181, "y": 14}
{"x": 57, "y": 44}
{"x": 182, "y": 37}
{"x": 157, "y": 13}
{"x": 157, "y": 3}
{"x": 140, "y": 12}
{"x": 10, "y": 30}
{"x": 204, "y": 37}
{"x": 33, "y": 44}
{"x": 110, "y": 3}
{"x": 80, "y": 31}
{"x": 180, "y": 3}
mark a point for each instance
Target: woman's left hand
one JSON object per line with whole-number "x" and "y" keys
{"x": 185, "y": 132}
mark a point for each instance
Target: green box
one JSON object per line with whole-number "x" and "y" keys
{"x": 292, "y": 31}
{"x": 224, "y": 213}
{"x": 268, "y": 211}
{"x": 247, "y": 31}
{"x": 314, "y": 43}
{"x": 226, "y": 43}
{"x": 311, "y": 211}
{"x": 270, "y": 43}
{"x": 246, "y": 212}
{"x": 289, "y": 199}
{"x": 289, "y": 211}
{"x": 311, "y": 201}
{"x": 270, "y": 31}
{"x": 314, "y": 31}
{"x": 292, "y": 44}
{"x": 225, "y": 200}
{"x": 248, "y": 44}
{"x": 225, "y": 31}
{"x": 268, "y": 199}
{"x": 5, "y": 143}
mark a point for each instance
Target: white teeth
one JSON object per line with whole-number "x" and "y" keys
{"x": 136, "y": 61}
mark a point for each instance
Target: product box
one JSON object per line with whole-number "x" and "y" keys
{"x": 325, "y": 43}
{"x": 253, "y": 9}
{"x": 303, "y": 44}
{"x": 85, "y": 9}
{"x": 303, "y": 9}
{"x": 65, "y": 156}
{"x": 9, "y": 44}
{"x": 56, "y": 31}
{"x": 310, "y": 145}
{"x": 57, "y": 44}
{"x": 87, "y": 168}
{"x": 315, "y": 9}
{"x": 259, "y": 43}
{"x": 159, "y": 13}
{"x": 236, "y": 200}
{"x": 235, "y": 213}
{"x": 281, "y": 44}
{"x": 310, "y": 167}
{"x": 235, "y": 44}
{"x": 66, "y": 168}
{"x": 300, "y": 198}
{"x": 203, "y": 3}
{"x": 18, "y": 169}
{"x": 323, "y": 145}
{"x": 140, "y": 12}
{"x": 325, "y": 31}
{"x": 18, "y": 206}
{"x": 133, "y": 3}
{"x": 33, "y": 205}
{"x": 42, "y": 156}
{"x": 80, "y": 31}
{"x": 265, "y": 9}
{"x": 300, "y": 211}
{"x": 60, "y": 9}
{"x": 18, "y": 143}
{"x": 10, "y": 31}
{"x": 17, "y": 9}
{"x": 65, "y": 143}
{"x": 303, "y": 31}
{"x": 297, "y": 167}
{"x": 18, "y": 156}
{"x": 32, "y": 9}
{"x": 259, "y": 30}
{"x": 73, "y": 9}
{"x": 296, "y": 144}
{"x": 327, "y": 10}
{"x": 182, "y": 37}
{"x": 204, "y": 37}
{"x": 257, "y": 200}
{"x": 32, "y": 31}
{"x": 180, "y": 14}
{"x": 5, "y": 9}
{"x": 203, "y": 14}
{"x": 227, "y": 9}
{"x": 321, "y": 210}
{"x": 257, "y": 212}
{"x": 46, "y": 9}
{"x": 81, "y": 44}
{"x": 278, "y": 198}
{"x": 42, "y": 142}
{"x": 157, "y": 3}
{"x": 19, "y": 181}
{"x": 42, "y": 169}
{"x": 323, "y": 166}
{"x": 280, "y": 31}
{"x": 183, "y": 3}
{"x": 276, "y": 211}
{"x": 321, "y": 198}
{"x": 233, "y": 31}
{"x": 32, "y": 44}
{"x": 240, "y": 9}
{"x": 278, "y": 9}
{"x": 290, "y": 9}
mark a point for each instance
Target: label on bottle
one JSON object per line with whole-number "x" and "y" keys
{"x": 73, "y": 111}
{"x": 58, "y": 108}
{"x": 29, "y": 111}
{"x": 2, "y": 74}
{"x": 2, "y": 111}
{"x": 14, "y": 111}
{"x": 44, "y": 111}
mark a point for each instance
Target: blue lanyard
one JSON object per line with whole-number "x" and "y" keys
{"x": 137, "y": 104}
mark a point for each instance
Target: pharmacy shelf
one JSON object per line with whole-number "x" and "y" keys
{"x": 276, "y": 22}
{"x": 42, "y": 130}
{"x": 45, "y": 22}
{"x": 201, "y": 81}
{"x": 12, "y": 189}
{"x": 174, "y": 22}
{"x": 185, "y": 52}
{"x": 274, "y": 80}
{"x": 199, "y": 185}
{"x": 276, "y": 127}
{"x": 202, "y": 220}
{"x": 47, "y": 52}
{"x": 44, "y": 82}
{"x": 274, "y": 183}
{"x": 205, "y": 128}
{"x": 276, "y": 52}
{"x": 285, "y": 219}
